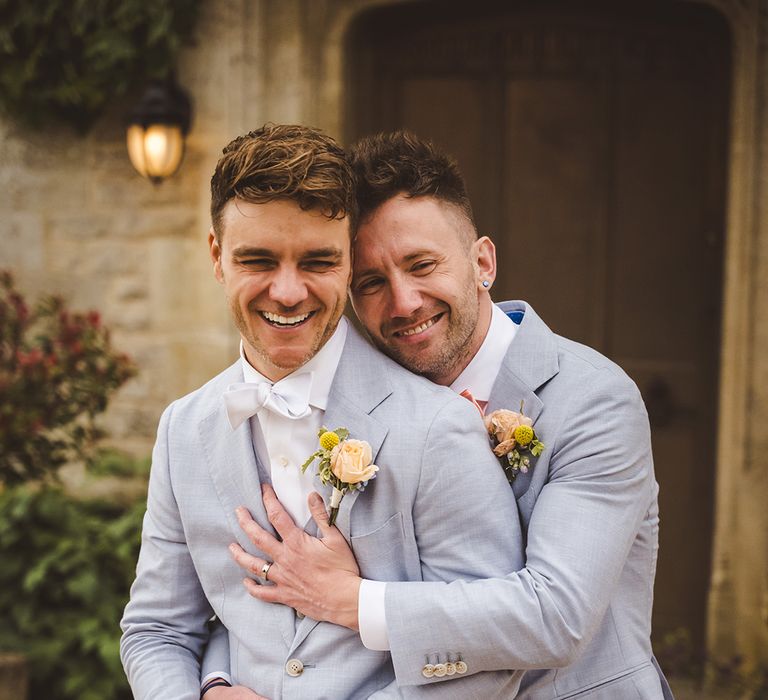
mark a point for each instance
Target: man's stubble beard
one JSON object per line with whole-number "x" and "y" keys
{"x": 255, "y": 344}
{"x": 453, "y": 354}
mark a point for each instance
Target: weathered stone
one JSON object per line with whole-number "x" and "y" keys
{"x": 22, "y": 241}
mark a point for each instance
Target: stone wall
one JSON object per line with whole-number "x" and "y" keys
{"x": 76, "y": 220}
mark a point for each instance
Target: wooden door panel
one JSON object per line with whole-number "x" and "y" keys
{"x": 441, "y": 109}
{"x": 593, "y": 140}
{"x": 660, "y": 271}
{"x": 682, "y": 448}
{"x": 553, "y": 203}
{"x": 663, "y": 273}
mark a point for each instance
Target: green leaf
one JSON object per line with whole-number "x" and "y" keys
{"x": 311, "y": 459}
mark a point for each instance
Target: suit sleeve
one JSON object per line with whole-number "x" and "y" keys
{"x": 164, "y": 624}
{"x": 467, "y": 527}
{"x": 216, "y": 658}
{"x": 579, "y": 537}
{"x": 464, "y": 515}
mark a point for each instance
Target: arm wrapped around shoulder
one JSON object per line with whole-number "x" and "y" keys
{"x": 465, "y": 514}
{"x": 600, "y": 488}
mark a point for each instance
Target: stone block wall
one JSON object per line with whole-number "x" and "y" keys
{"x": 79, "y": 222}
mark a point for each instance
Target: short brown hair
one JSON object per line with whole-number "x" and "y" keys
{"x": 285, "y": 161}
{"x": 399, "y": 162}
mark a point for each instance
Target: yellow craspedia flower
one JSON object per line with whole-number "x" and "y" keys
{"x": 523, "y": 434}
{"x": 329, "y": 440}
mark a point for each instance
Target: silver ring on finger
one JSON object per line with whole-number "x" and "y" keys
{"x": 265, "y": 570}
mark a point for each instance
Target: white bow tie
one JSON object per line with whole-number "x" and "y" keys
{"x": 289, "y": 397}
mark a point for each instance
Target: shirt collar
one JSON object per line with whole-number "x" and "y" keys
{"x": 323, "y": 365}
{"x": 480, "y": 374}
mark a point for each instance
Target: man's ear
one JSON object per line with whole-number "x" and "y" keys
{"x": 484, "y": 259}
{"x": 215, "y": 250}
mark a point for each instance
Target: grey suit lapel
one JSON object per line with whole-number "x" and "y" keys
{"x": 234, "y": 470}
{"x": 530, "y": 362}
{"x": 358, "y": 388}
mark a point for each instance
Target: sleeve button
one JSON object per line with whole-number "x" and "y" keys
{"x": 428, "y": 671}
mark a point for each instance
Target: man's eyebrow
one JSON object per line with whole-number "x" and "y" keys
{"x": 329, "y": 252}
{"x": 248, "y": 252}
{"x": 417, "y": 254}
{"x": 252, "y": 252}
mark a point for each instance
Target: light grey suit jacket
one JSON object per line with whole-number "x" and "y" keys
{"x": 436, "y": 511}
{"x": 582, "y": 605}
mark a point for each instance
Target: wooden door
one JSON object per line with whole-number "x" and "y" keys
{"x": 593, "y": 141}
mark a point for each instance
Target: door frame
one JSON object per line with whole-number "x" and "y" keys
{"x": 748, "y": 22}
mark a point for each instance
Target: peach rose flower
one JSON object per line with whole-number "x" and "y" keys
{"x": 351, "y": 461}
{"x": 501, "y": 425}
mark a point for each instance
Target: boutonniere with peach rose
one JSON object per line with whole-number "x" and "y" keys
{"x": 345, "y": 464}
{"x": 515, "y": 440}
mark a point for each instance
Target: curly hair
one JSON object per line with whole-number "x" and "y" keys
{"x": 285, "y": 161}
{"x": 399, "y": 162}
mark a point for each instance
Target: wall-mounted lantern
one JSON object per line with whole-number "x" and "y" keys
{"x": 157, "y": 129}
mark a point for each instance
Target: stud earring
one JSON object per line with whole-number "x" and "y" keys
{"x": 486, "y": 284}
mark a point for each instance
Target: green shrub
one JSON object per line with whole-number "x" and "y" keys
{"x": 66, "y": 563}
{"x": 67, "y": 566}
{"x": 57, "y": 371}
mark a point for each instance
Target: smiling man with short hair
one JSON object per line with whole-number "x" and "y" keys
{"x": 282, "y": 207}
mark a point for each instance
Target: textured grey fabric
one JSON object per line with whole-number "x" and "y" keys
{"x": 437, "y": 510}
{"x": 582, "y": 606}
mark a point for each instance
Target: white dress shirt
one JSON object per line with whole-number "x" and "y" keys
{"x": 283, "y": 444}
{"x": 478, "y": 376}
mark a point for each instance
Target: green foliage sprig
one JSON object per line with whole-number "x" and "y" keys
{"x": 65, "y": 60}
{"x": 67, "y": 567}
{"x": 57, "y": 371}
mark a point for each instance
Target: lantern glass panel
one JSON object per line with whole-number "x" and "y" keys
{"x": 156, "y": 151}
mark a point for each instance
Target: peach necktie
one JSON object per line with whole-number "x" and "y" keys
{"x": 479, "y": 405}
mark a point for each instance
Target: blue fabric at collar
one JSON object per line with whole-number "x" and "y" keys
{"x": 516, "y": 316}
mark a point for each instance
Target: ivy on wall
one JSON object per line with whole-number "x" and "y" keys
{"x": 65, "y": 60}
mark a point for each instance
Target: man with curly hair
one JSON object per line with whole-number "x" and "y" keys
{"x": 282, "y": 208}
